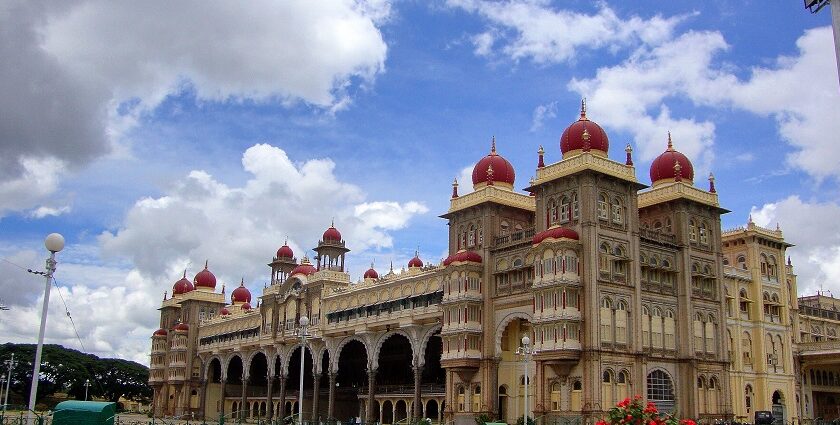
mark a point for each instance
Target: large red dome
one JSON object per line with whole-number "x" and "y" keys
{"x": 462, "y": 256}
{"x": 285, "y": 251}
{"x": 584, "y": 135}
{"x": 670, "y": 166}
{"x": 332, "y": 234}
{"x": 371, "y": 273}
{"x": 495, "y": 168}
{"x": 416, "y": 261}
{"x": 182, "y": 286}
{"x": 555, "y": 232}
{"x": 304, "y": 268}
{"x": 241, "y": 294}
{"x": 205, "y": 279}
{"x": 160, "y": 332}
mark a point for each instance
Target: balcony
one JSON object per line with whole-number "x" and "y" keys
{"x": 657, "y": 236}
{"x": 515, "y": 238}
{"x": 551, "y": 314}
{"x": 461, "y": 327}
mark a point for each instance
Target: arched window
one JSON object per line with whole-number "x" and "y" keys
{"x": 476, "y": 402}
{"x": 608, "y": 382}
{"x": 565, "y": 209}
{"x": 746, "y": 348}
{"x": 704, "y": 233}
{"x": 577, "y": 390}
{"x": 763, "y": 260}
{"x": 670, "y": 330}
{"x": 604, "y": 258}
{"x": 660, "y": 390}
{"x": 606, "y": 320}
{"x": 461, "y": 399}
{"x": 622, "y": 385}
{"x": 712, "y": 395}
{"x": 669, "y": 228}
{"x": 471, "y": 236}
{"x": 701, "y": 395}
{"x": 617, "y": 211}
{"x": 657, "y": 225}
{"x": 504, "y": 228}
{"x": 575, "y": 206}
{"x": 619, "y": 263}
{"x": 603, "y": 207}
{"x": 552, "y": 212}
{"x": 555, "y": 396}
{"x": 699, "y": 326}
{"x": 692, "y": 231}
{"x": 748, "y": 398}
{"x": 646, "y": 319}
{"x": 621, "y": 328}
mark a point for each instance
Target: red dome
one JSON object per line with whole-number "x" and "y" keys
{"x": 182, "y": 286}
{"x": 371, "y": 273}
{"x": 416, "y": 261}
{"x": 555, "y": 232}
{"x": 304, "y": 268}
{"x": 182, "y": 327}
{"x": 462, "y": 256}
{"x": 584, "y": 135}
{"x": 224, "y": 311}
{"x": 285, "y": 251}
{"x": 493, "y": 167}
{"x": 332, "y": 234}
{"x": 160, "y": 332}
{"x": 205, "y": 279}
{"x": 246, "y": 306}
{"x": 241, "y": 294}
{"x": 664, "y": 167}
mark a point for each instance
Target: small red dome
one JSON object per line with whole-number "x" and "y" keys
{"x": 246, "y": 306}
{"x": 665, "y": 168}
{"x": 371, "y": 273}
{"x": 182, "y": 286}
{"x": 304, "y": 268}
{"x": 555, "y": 232}
{"x": 493, "y": 167}
{"x": 285, "y": 251}
{"x": 182, "y": 327}
{"x": 584, "y": 135}
{"x": 332, "y": 234}
{"x": 416, "y": 261}
{"x": 241, "y": 294}
{"x": 160, "y": 332}
{"x": 224, "y": 312}
{"x": 462, "y": 256}
{"x": 205, "y": 279}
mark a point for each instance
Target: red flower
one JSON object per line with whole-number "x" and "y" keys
{"x": 687, "y": 422}
{"x": 624, "y": 403}
{"x": 629, "y": 418}
{"x": 601, "y": 422}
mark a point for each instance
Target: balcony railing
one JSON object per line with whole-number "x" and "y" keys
{"x": 514, "y": 238}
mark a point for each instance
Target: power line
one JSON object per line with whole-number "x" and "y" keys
{"x": 67, "y": 310}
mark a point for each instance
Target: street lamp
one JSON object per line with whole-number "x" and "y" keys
{"x": 87, "y": 385}
{"x": 54, "y": 243}
{"x": 11, "y": 365}
{"x": 304, "y": 323}
{"x": 526, "y": 352}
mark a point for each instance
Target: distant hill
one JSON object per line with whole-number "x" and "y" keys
{"x": 64, "y": 370}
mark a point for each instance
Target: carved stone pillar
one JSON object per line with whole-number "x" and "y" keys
{"x": 269, "y": 401}
{"x": 371, "y": 390}
{"x": 202, "y": 401}
{"x": 222, "y": 409}
{"x": 282, "y": 396}
{"x": 316, "y": 392}
{"x": 331, "y": 398}
{"x": 242, "y": 412}
{"x": 418, "y": 374}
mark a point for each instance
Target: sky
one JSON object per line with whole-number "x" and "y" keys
{"x": 159, "y": 135}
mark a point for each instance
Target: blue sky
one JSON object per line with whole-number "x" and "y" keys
{"x": 155, "y": 136}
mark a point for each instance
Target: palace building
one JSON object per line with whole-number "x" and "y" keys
{"x": 623, "y": 289}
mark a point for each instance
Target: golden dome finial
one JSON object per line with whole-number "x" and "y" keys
{"x": 583, "y": 109}
{"x": 541, "y": 150}
{"x": 493, "y": 145}
{"x": 585, "y": 136}
{"x": 670, "y": 142}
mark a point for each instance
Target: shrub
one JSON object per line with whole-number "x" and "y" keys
{"x": 637, "y": 412}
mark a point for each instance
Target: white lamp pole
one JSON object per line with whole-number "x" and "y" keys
{"x": 304, "y": 323}
{"x": 54, "y": 243}
{"x": 11, "y": 364}
{"x": 526, "y": 351}
{"x": 87, "y": 385}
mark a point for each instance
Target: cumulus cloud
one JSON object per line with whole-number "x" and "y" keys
{"x": 813, "y": 227}
{"x": 543, "y": 113}
{"x": 632, "y": 97}
{"x": 76, "y": 75}
{"x": 532, "y": 29}
{"x": 239, "y": 228}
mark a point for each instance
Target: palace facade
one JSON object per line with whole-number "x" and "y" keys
{"x": 622, "y": 288}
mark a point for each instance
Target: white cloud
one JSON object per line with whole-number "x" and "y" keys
{"x": 531, "y": 29}
{"x": 76, "y": 76}
{"x": 814, "y": 229}
{"x": 38, "y": 179}
{"x": 542, "y": 113}
{"x": 632, "y": 97}
{"x": 239, "y": 228}
{"x": 44, "y": 211}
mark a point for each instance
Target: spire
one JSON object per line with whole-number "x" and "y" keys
{"x": 490, "y": 175}
{"x": 712, "y": 183}
{"x": 778, "y": 229}
{"x": 164, "y": 295}
{"x": 789, "y": 264}
{"x": 205, "y": 264}
{"x": 677, "y": 171}
{"x": 455, "y": 188}
{"x": 670, "y": 143}
{"x": 493, "y": 146}
{"x": 371, "y": 264}
{"x": 585, "y": 136}
{"x": 391, "y": 270}
{"x": 583, "y": 110}
{"x": 332, "y": 222}
{"x": 750, "y": 222}
{"x": 242, "y": 282}
{"x": 629, "y": 150}
{"x": 223, "y": 289}
{"x": 185, "y": 273}
{"x": 540, "y": 162}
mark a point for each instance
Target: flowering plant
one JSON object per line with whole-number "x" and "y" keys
{"x": 637, "y": 412}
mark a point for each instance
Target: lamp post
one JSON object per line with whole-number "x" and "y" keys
{"x": 526, "y": 352}
{"x": 53, "y": 243}
{"x": 11, "y": 365}
{"x": 87, "y": 385}
{"x": 304, "y": 323}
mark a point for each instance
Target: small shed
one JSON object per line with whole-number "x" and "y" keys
{"x": 84, "y": 412}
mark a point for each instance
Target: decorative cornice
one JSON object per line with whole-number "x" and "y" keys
{"x": 495, "y": 193}
{"x": 581, "y": 162}
{"x": 677, "y": 190}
